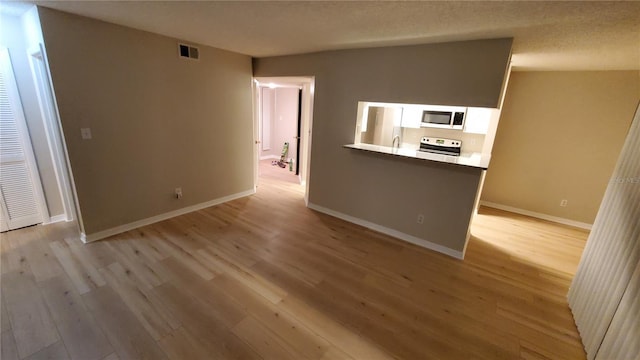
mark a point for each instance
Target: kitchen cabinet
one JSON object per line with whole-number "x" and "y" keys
{"x": 411, "y": 116}
{"x": 479, "y": 119}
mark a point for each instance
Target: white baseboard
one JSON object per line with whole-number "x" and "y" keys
{"x": 534, "y": 214}
{"x": 275, "y": 157}
{"x": 154, "y": 219}
{"x": 391, "y": 232}
{"x": 55, "y": 219}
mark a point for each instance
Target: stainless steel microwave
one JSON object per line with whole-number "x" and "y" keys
{"x": 444, "y": 117}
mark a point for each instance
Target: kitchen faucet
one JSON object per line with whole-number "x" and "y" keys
{"x": 393, "y": 142}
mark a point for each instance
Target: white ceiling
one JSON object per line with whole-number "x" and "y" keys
{"x": 567, "y": 35}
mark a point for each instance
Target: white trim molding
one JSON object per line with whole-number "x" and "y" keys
{"x": 55, "y": 219}
{"x": 388, "y": 231}
{"x": 154, "y": 219}
{"x": 534, "y": 214}
{"x": 51, "y": 122}
{"x": 265, "y": 157}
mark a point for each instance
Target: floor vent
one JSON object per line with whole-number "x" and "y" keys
{"x": 188, "y": 51}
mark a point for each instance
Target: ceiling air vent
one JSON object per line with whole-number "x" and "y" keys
{"x": 188, "y": 51}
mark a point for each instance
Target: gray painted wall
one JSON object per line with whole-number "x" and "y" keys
{"x": 381, "y": 189}
{"x": 158, "y": 121}
{"x": 283, "y": 121}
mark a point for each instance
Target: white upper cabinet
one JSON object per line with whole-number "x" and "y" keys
{"x": 411, "y": 116}
{"x": 479, "y": 119}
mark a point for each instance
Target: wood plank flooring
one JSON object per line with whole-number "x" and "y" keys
{"x": 263, "y": 277}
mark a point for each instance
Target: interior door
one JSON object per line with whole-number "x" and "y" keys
{"x": 18, "y": 193}
{"x": 298, "y": 129}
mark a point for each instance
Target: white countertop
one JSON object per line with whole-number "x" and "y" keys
{"x": 476, "y": 160}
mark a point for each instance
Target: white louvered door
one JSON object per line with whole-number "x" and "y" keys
{"x": 622, "y": 340}
{"x": 604, "y": 293}
{"x": 19, "y": 198}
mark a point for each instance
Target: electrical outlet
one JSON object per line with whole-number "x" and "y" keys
{"x": 178, "y": 193}
{"x": 85, "y": 133}
{"x": 563, "y": 203}
{"x": 420, "y": 219}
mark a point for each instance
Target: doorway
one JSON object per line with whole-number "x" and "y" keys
{"x": 55, "y": 138}
{"x": 282, "y": 128}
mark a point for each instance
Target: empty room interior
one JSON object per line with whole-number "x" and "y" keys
{"x": 320, "y": 180}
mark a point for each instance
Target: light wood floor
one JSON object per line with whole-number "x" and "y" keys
{"x": 265, "y": 277}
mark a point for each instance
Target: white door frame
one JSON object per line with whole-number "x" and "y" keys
{"x": 27, "y": 147}
{"x": 307, "y": 83}
{"x": 55, "y": 137}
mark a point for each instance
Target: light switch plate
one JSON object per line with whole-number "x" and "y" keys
{"x": 86, "y": 133}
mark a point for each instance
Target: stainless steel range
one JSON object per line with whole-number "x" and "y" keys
{"x": 440, "y": 146}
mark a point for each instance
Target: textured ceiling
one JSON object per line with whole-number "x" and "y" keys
{"x": 567, "y": 35}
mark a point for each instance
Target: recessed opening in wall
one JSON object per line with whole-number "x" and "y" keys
{"x": 405, "y": 126}
{"x": 283, "y": 121}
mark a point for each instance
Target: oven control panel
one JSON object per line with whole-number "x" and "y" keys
{"x": 440, "y": 142}
{"x": 440, "y": 145}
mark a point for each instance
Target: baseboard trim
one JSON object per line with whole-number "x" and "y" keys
{"x": 534, "y": 214}
{"x": 388, "y": 231}
{"x": 86, "y": 238}
{"x": 55, "y": 219}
